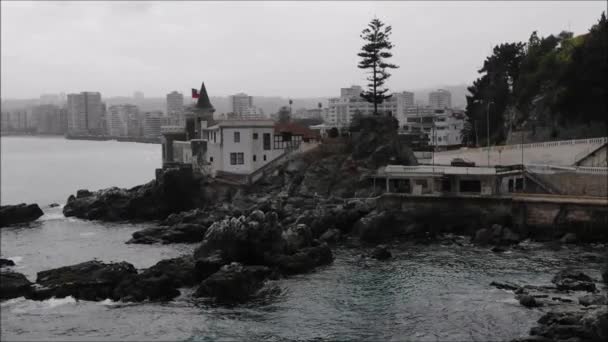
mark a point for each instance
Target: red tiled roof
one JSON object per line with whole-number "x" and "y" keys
{"x": 295, "y": 129}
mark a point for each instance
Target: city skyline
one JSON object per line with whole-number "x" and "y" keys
{"x": 293, "y": 62}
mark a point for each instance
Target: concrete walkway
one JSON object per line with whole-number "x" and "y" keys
{"x": 566, "y": 152}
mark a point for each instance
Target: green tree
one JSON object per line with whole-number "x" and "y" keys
{"x": 373, "y": 55}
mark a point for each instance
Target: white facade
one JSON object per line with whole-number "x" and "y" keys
{"x": 443, "y": 126}
{"x": 342, "y": 109}
{"x": 118, "y": 119}
{"x": 440, "y": 99}
{"x": 240, "y": 103}
{"x": 175, "y": 104}
{"x": 240, "y": 146}
{"x": 85, "y": 113}
{"x": 252, "y": 112}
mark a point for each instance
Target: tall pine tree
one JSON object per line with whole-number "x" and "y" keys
{"x": 373, "y": 55}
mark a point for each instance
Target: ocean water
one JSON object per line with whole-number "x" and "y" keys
{"x": 425, "y": 293}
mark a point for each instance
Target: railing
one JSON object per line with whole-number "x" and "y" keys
{"x": 259, "y": 173}
{"x": 545, "y": 144}
{"x": 577, "y": 169}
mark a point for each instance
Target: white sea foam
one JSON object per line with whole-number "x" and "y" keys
{"x": 15, "y": 259}
{"x": 51, "y": 216}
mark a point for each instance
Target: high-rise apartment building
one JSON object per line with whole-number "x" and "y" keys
{"x": 120, "y": 117}
{"x": 342, "y": 109}
{"x": 440, "y": 99}
{"x": 50, "y": 119}
{"x": 175, "y": 104}
{"x": 85, "y": 113}
{"x": 151, "y": 126}
{"x": 240, "y": 103}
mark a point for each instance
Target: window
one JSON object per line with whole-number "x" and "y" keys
{"x": 254, "y": 157}
{"x": 255, "y": 136}
{"x": 264, "y": 157}
{"x": 266, "y": 142}
{"x": 237, "y": 137}
{"x": 211, "y": 159}
{"x": 470, "y": 186}
{"x": 237, "y": 158}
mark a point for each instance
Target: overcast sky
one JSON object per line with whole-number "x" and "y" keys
{"x": 291, "y": 49}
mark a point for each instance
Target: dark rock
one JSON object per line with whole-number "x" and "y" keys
{"x": 568, "y": 238}
{"x": 381, "y": 252}
{"x": 13, "y": 284}
{"x": 178, "y": 233}
{"x": 504, "y": 286}
{"x": 304, "y": 260}
{"x": 596, "y": 323}
{"x": 6, "y": 262}
{"x": 592, "y": 299}
{"x": 208, "y": 265}
{"x": 243, "y": 240}
{"x": 91, "y": 280}
{"x": 605, "y": 274}
{"x": 573, "y": 280}
{"x": 378, "y": 226}
{"x": 296, "y": 237}
{"x": 509, "y": 237}
{"x": 234, "y": 283}
{"x": 527, "y": 301}
{"x": 173, "y": 191}
{"x": 483, "y": 236}
{"x": 159, "y": 282}
{"x": 497, "y": 249}
{"x": 331, "y": 235}
{"x": 53, "y": 205}
{"x": 570, "y": 274}
{"x": 20, "y": 213}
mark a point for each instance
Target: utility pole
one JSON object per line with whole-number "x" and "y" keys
{"x": 488, "y": 130}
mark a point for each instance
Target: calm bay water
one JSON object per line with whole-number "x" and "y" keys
{"x": 426, "y": 293}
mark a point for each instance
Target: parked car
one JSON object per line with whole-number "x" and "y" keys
{"x": 462, "y": 162}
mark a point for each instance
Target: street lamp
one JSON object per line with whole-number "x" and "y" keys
{"x": 488, "y": 131}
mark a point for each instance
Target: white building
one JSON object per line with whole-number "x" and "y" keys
{"x": 443, "y": 126}
{"x": 440, "y": 99}
{"x": 252, "y": 112}
{"x": 119, "y": 118}
{"x": 342, "y": 109}
{"x": 240, "y": 146}
{"x": 175, "y": 104}
{"x": 240, "y": 104}
{"x": 85, "y": 113}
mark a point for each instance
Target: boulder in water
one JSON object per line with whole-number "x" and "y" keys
{"x": 178, "y": 233}
{"x": 13, "y": 284}
{"x": 304, "y": 260}
{"x": 234, "y": 283}
{"x": 91, "y": 280}
{"x": 573, "y": 280}
{"x": 381, "y": 252}
{"x": 20, "y": 213}
{"x": 6, "y": 262}
{"x": 568, "y": 238}
{"x": 592, "y": 299}
{"x": 527, "y": 301}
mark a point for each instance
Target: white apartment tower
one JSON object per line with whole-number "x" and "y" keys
{"x": 440, "y": 99}
{"x": 175, "y": 104}
{"x": 85, "y": 113}
{"x": 240, "y": 103}
{"x": 119, "y": 117}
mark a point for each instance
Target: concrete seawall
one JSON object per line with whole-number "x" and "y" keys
{"x": 539, "y": 217}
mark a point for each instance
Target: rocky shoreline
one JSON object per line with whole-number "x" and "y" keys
{"x": 285, "y": 225}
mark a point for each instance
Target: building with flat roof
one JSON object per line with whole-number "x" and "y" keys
{"x": 440, "y": 99}
{"x": 239, "y": 104}
{"x": 175, "y": 104}
{"x": 120, "y": 117}
{"x": 85, "y": 113}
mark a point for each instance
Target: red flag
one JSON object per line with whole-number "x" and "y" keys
{"x": 194, "y": 93}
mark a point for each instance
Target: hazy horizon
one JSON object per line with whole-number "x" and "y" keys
{"x": 266, "y": 49}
